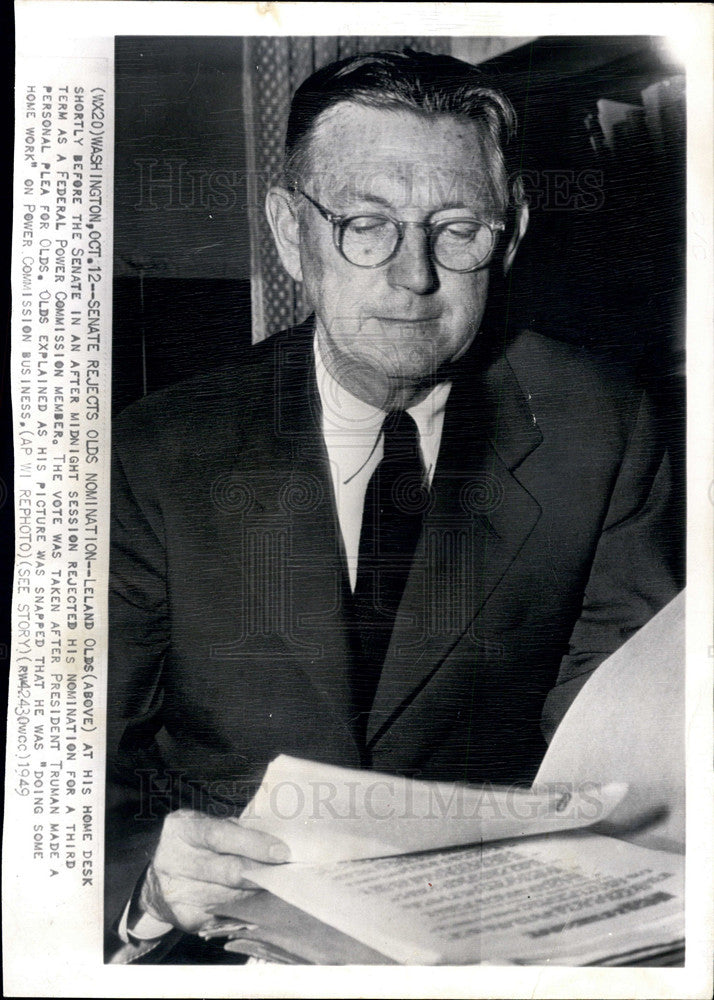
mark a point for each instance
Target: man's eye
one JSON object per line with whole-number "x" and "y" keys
{"x": 365, "y": 225}
{"x": 461, "y": 230}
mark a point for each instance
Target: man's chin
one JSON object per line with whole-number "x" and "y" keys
{"x": 408, "y": 361}
{"x": 401, "y": 331}
{"x": 406, "y": 386}
{"x": 388, "y": 387}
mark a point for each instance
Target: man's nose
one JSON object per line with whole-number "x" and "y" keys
{"x": 412, "y": 267}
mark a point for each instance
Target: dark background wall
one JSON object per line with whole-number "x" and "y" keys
{"x": 180, "y": 158}
{"x": 602, "y": 148}
{"x": 181, "y": 246}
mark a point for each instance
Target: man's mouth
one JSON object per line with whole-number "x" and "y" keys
{"x": 402, "y": 320}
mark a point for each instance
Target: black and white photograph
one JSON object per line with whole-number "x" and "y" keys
{"x": 362, "y": 501}
{"x": 400, "y": 332}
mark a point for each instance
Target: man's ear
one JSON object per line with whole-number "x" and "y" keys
{"x": 284, "y": 225}
{"x": 519, "y": 231}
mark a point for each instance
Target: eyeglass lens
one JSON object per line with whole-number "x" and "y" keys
{"x": 371, "y": 240}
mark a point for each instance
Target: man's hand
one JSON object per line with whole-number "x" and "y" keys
{"x": 200, "y": 864}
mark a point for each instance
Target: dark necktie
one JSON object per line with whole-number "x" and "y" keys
{"x": 391, "y": 524}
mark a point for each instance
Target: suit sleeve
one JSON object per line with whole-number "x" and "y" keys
{"x": 138, "y": 640}
{"x": 633, "y": 574}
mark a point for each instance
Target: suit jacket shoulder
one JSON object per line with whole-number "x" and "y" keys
{"x": 183, "y": 410}
{"x": 207, "y": 418}
{"x": 561, "y": 376}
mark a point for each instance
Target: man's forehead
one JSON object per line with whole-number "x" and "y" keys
{"x": 400, "y": 158}
{"x": 411, "y": 184}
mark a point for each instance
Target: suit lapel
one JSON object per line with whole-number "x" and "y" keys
{"x": 296, "y": 565}
{"x": 480, "y": 518}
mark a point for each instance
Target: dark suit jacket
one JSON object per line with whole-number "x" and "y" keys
{"x": 544, "y": 549}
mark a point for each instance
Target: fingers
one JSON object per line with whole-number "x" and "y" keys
{"x": 200, "y": 864}
{"x": 229, "y": 837}
{"x": 205, "y": 849}
{"x": 185, "y": 902}
{"x": 225, "y": 836}
{"x": 206, "y": 896}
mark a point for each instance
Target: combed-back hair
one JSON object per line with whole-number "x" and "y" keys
{"x": 419, "y": 82}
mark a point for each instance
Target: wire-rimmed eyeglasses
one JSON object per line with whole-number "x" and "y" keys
{"x": 461, "y": 243}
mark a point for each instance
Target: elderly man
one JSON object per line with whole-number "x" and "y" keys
{"x": 393, "y": 538}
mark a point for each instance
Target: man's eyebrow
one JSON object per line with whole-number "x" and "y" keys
{"x": 349, "y": 193}
{"x": 354, "y": 194}
{"x": 460, "y": 205}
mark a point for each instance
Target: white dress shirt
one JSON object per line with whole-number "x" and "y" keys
{"x": 352, "y": 432}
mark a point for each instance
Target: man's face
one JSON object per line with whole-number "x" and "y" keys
{"x": 385, "y": 331}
